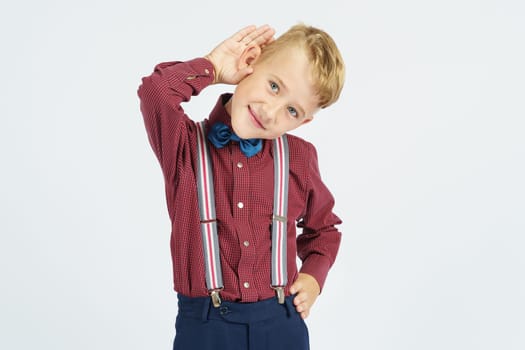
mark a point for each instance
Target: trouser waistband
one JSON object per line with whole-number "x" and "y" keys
{"x": 201, "y": 308}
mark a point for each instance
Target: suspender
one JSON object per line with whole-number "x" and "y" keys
{"x": 210, "y": 240}
{"x": 280, "y": 206}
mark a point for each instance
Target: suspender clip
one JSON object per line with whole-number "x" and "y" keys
{"x": 279, "y": 218}
{"x": 215, "y": 298}
{"x": 279, "y": 292}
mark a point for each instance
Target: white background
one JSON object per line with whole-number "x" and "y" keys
{"x": 424, "y": 153}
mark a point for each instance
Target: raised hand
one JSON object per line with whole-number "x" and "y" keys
{"x": 231, "y": 58}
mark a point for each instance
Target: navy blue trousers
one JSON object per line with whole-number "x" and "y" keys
{"x": 263, "y": 325}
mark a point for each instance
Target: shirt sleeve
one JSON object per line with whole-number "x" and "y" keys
{"x": 161, "y": 95}
{"x": 318, "y": 244}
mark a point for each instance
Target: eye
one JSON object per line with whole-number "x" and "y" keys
{"x": 274, "y": 86}
{"x": 293, "y": 112}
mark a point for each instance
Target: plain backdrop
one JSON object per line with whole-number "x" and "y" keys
{"x": 424, "y": 153}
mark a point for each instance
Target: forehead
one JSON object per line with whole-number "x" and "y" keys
{"x": 294, "y": 69}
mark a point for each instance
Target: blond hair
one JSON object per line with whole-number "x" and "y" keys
{"x": 328, "y": 69}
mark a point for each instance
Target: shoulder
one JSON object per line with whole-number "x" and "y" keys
{"x": 301, "y": 149}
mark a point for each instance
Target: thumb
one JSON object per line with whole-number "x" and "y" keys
{"x": 295, "y": 287}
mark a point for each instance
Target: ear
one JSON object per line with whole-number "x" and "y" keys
{"x": 249, "y": 56}
{"x": 307, "y": 120}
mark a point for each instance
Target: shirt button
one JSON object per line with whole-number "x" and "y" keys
{"x": 240, "y": 205}
{"x": 246, "y": 285}
{"x": 239, "y": 165}
{"x": 206, "y": 71}
{"x": 246, "y": 243}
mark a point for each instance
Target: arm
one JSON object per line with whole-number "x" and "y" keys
{"x": 172, "y": 83}
{"x": 161, "y": 95}
{"x": 319, "y": 242}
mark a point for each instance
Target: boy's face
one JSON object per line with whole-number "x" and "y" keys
{"x": 276, "y": 98}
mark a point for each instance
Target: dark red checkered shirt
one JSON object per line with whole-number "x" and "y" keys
{"x": 243, "y": 194}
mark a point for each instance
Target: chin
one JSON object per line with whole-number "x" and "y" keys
{"x": 246, "y": 135}
{"x": 240, "y": 128}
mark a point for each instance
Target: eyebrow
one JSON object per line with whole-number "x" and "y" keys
{"x": 282, "y": 84}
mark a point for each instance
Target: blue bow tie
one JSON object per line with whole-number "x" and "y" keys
{"x": 220, "y": 134}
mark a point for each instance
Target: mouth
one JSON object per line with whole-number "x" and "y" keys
{"x": 255, "y": 118}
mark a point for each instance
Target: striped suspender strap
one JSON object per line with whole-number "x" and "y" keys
{"x": 279, "y": 218}
{"x": 208, "y": 217}
{"x": 209, "y": 221}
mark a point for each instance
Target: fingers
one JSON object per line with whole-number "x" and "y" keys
{"x": 243, "y": 32}
{"x": 301, "y": 300}
{"x": 302, "y": 304}
{"x": 264, "y": 38}
{"x": 253, "y": 36}
{"x": 306, "y": 289}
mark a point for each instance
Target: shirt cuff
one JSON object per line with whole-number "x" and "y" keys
{"x": 195, "y": 75}
{"x": 203, "y": 68}
{"x": 317, "y": 266}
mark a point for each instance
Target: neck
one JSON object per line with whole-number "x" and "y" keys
{"x": 228, "y": 106}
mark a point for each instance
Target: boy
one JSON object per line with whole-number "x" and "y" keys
{"x": 234, "y": 184}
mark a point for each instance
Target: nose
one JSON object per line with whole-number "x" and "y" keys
{"x": 271, "y": 111}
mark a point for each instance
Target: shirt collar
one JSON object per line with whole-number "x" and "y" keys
{"x": 219, "y": 113}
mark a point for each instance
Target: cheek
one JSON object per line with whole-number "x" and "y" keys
{"x": 294, "y": 124}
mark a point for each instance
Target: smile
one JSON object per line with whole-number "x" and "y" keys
{"x": 255, "y": 119}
